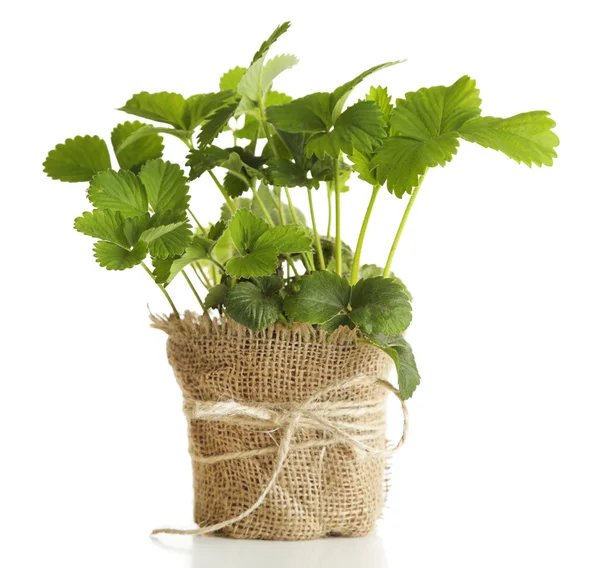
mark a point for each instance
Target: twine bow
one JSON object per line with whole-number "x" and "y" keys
{"x": 334, "y": 418}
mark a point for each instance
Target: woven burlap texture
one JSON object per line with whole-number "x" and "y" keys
{"x": 327, "y": 490}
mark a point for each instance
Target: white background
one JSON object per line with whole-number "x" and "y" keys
{"x": 501, "y": 466}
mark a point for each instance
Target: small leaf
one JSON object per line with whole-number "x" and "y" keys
{"x": 341, "y": 94}
{"x": 205, "y": 159}
{"x": 120, "y": 191}
{"x": 216, "y": 296}
{"x": 379, "y": 305}
{"x": 255, "y": 305}
{"x": 406, "y": 367}
{"x": 322, "y": 296}
{"x": 77, "y": 159}
{"x": 379, "y": 95}
{"x": 169, "y": 234}
{"x": 216, "y": 123}
{"x": 245, "y": 229}
{"x": 167, "y": 269}
{"x": 161, "y": 107}
{"x": 372, "y": 270}
{"x": 111, "y": 226}
{"x": 114, "y": 257}
{"x": 166, "y": 186}
{"x": 136, "y": 153}
{"x": 277, "y": 33}
{"x": 200, "y": 107}
{"x": 230, "y": 80}
{"x": 148, "y": 130}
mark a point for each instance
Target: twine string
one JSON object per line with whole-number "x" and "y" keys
{"x": 326, "y": 416}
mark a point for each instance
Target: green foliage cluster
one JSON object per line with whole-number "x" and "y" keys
{"x": 261, "y": 262}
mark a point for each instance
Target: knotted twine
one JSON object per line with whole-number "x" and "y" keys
{"x": 327, "y": 416}
{"x": 286, "y": 427}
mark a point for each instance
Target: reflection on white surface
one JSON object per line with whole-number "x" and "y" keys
{"x": 367, "y": 552}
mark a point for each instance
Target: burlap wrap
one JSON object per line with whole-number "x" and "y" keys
{"x": 321, "y": 491}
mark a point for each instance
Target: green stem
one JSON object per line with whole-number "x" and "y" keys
{"x": 388, "y": 264}
{"x": 201, "y": 276}
{"x": 262, "y": 206}
{"x": 338, "y": 217}
{"x": 197, "y": 222}
{"x": 223, "y": 191}
{"x": 315, "y": 231}
{"x": 204, "y": 275}
{"x": 307, "y": 261}
{"x": 330, "y": 209}
{"x": 361, "y": 236}
{"x": 187, "y": 279}
{"x": 162, "y": 288}
{"x": 212, "y": 259}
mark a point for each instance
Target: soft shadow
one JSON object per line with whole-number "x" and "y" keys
{"x": 367, "y": 552}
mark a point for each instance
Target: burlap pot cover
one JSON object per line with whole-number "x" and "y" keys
{"x": 323, "y": 490}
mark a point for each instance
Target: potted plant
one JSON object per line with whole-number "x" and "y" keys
{"x": 283, "y": 368}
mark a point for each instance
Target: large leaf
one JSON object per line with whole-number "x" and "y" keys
{"x": 77, "y": 159}
{"x": 161, "y": 107}
{"x": 526, "y": 137}
{"x": 277, "y": 33}
{"x": 322, "y": 296}
{"x": 166, "y": 186}
{"x": 380, "y": 305}
{"x": 255, "y": 305}
{"x": 341, "y": 94}
{"x": 120, "y": 191}
{"x": 258, "y": 79}
{"x": 114, "y": 257}
{"x": 138, "y": 151}
{"x": 216, "y": 296}
{"x": 425, "y": 126}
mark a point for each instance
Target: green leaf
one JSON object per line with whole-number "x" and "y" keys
{"x": 77, "y": 159}
{"x": 404, "y": 360}
{"x": 402, "y": 161}
{"x": 322, "y": 296}
{"x": 245, "y": 229}
{"x": 307, "y": 114}
{"x": 261, "y": 262}
{"x": 234, "y": 185}
{"x": 341, "y": 94}
{"x": 255, "y": 305}
{"x": 216, "y": 296}
{"x": 379, "y": 305}
{"x": 286, "y": 239}
{"x": 379, "y": 95}
{"x": 149, "y": 130}
{"x": 277, "y": 33}
{"x": 230, "y": 80}
{"x": 111, "y": 226}
{"x": 166, "y": 269}
{"x": 205, "y": 159}
{"x": 360, "y": 126}
{"x": 114, "y": 257}
{"x": 526, "y": 137}
{"x": 200, "y": 107}
{"x": 120, "y": 191}
{"x": 216, "y": 123}
{"x": 258, "y": 79}
{"x": 166, "y": 186}
{"x": 331, "y": 325}
{"x": 425, "y": 126}
{"x": 161, "y": 107}
{"x": 137, "y": 152}
{"x": 169, "y": 234}
{"x": 251, "y": 128}
{"x": 363, "y": 166}
{"x": 372, "y": 270}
